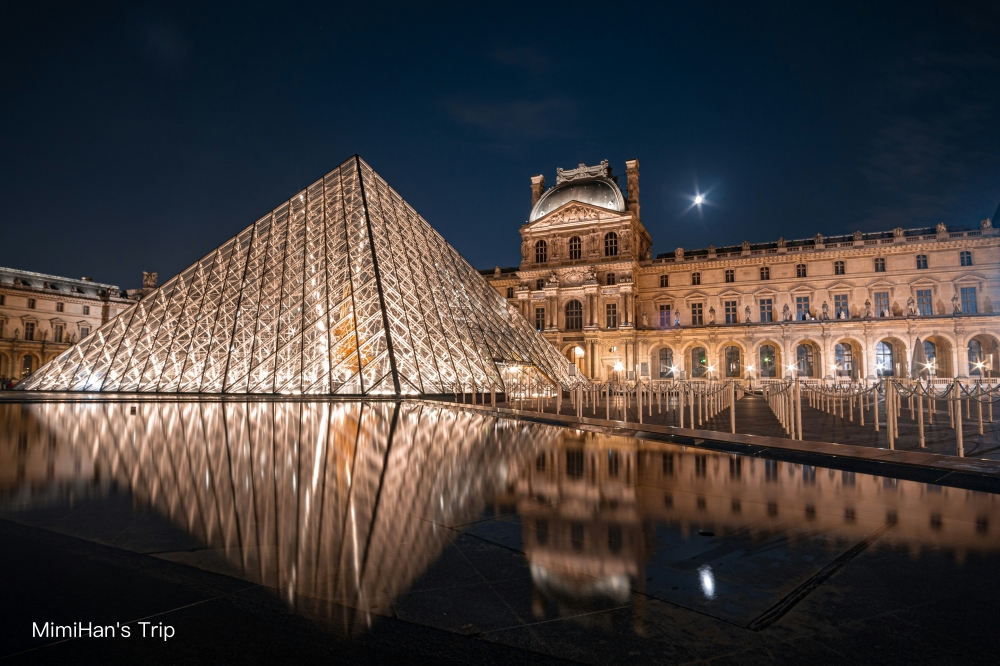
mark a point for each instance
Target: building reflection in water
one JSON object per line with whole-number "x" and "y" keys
{"x": 343, "y": 505}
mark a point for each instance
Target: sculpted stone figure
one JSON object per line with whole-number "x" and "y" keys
{"x": 897, "y": 232}
{"x": 868, "y": 308}
{"x": 782, "y": 242}
{"x": 746, "y": 246}
{"x": 857, "y": 235}
{"x": 525, "y": 247}
{"x": 645, "y": 319}
{"x": 986, "y": 224}
{"x": 956, "y": 306}
{"x": 826, "y": 310}
{"x": 149, "y": 280}
{"x": 711, "y": 315}
{"x": 911, "y": 306}
{"x": 786, "y": 314}
{"x": 496, "y": 271}
{"x": 818, "y": 239}
{"x": 679, "y": 253}
{"x": 746, "y": 314}
{"x": 942, "y": 228}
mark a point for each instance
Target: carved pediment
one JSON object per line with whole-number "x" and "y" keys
{"x": 574, "y": 211}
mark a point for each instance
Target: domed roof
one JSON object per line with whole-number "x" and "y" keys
{"x": 599, "y": 192}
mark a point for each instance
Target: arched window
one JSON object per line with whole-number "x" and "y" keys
{"x": 804, "y": 360}
{"x": 27, "y": 365}
{"x": 733, "y": 361}
{"x": 844, "y": 358}
{"x": 699, "y": 362}
{"x": 975, "y": 358}
{"x": 541, "y": 252}
{"x": 610, "y": 279}
{"x": 768, "y": 361}
{"x": 666, "y": 363}
{"x": 574, "y": 316}
{"x": 575, "y": 248}
{"x": 611, "y": 244}
{"x": 930, "y": 351}
{"x": 884, "y": 365}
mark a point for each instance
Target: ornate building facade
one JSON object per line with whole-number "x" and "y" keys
{"x": 845, "y": 307}
{"x": 43, "y": 315}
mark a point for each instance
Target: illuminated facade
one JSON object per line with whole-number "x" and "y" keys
{"x": 43, "y": 315}
{"x": 847, "y": 307}
{"x": 343, "y": 289}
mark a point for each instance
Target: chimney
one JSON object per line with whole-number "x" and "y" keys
{"x": 537, "y": 188}
{"x": 632, "y": 169}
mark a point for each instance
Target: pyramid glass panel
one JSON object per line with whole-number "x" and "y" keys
{"x": 343, "y": 289}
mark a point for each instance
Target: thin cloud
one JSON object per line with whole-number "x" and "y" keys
{"x": 518, "y": 119}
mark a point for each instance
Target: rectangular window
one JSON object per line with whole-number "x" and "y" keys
{"x": 540, "y": 284}
{"x": 697, "y": 314}
{"x": 840, "y": 310}
{"x": 611, "y": 315}
{"x": 1, "y": 329}
{"x": 59, "y": 307}
{"x": 730, "y": 275}
{"x": 695, "y": 278}
{"x": 31, "y": 304}
{"x": 3, "y": 299}
{"x": 801, "y": 308}
{"x": 29, "y": 330}
{"x": 610, "y": 279}
{"x": 880, "y": 264}
{"x": 924, "y": 306}
{"x": 838, "y": 268}
{"x": 86, "y": 309}
{"x": 665, "y": 315}
{"x": 882, "y": 304}
{"x": 664, "y": 281}
{"x": 730, "y": 307}
{"x": 966, "y": 257}
{"x": 800, "y": 270}
{"x": 510, "y": 292}
{"x": 539, "y": 319}
{"x": 57, "y": 334}
{"x": 921, "y": 262}
{"x": 765, "y": 273}
{"x": 84, "y": 332}
{"x": 766, "y": 310}
{"x": 969, "y": 300}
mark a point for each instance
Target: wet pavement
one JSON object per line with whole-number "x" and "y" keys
{"x": 279, "y": 532}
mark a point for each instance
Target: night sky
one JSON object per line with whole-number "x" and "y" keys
{"x": 140, "y": 136}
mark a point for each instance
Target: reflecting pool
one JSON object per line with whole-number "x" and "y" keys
{"x": 354, "y": 510}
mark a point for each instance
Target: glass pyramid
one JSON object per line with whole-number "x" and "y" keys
{"x": 344, "y": 289}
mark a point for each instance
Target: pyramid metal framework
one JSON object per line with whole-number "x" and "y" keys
{"x": 344, "y": 289}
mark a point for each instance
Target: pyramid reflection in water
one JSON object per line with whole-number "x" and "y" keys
{"x": 344, "y": 289}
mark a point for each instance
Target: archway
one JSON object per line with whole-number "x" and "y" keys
{"x": 664, "y": 363}
{"x": 808, "y": 360}
{"x": 29, "y": 363}
{"x": 890, "y": 358}
{"x": 847, "y": 360}
{"x": 699, "y": 362}
{"x": 732, "y": 361}
{"x": 983, "y": 356}
{"x": 769, "y": 360}
{"x": 4, "y": 365}
{"x": 938, "y": 351}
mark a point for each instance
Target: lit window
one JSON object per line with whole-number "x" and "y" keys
{"x": 924, "y": 306}
{"x": 801, "y": 308}
{"x": 840, "y": 310}
{"x": 699, "y": 362}
{"x": 664, "y": 281}
{"x": 734, "y": 364}
{"x": 880, "y": 264}
{"x": 665, "y": 315}
{"x": 611, "y": 315}
{"x": 575, "y": 248}
{"x": 766, "y": 310}
{"x": 884, "y": 365}
{"x": 768, "y": 364}
{"x": 730, "y": 276}
{"x": 921, "y": 261}
{"x": 730, "y": 308}
{"x": 966, "y": 257}
{"x": 611, "y": 244}
{"x": 969, "y": 300}
{"x": 765, "y": 273}
{"x": 975, "y": 357}
{"x": 697, "y": 314}
{"x": 574, "y": 316}
{"x": 695, "y": 278}
{"x": 838, "y": 268}
{"x": 804, "y": 360}
{"x": 844, "y": 360}
{"x": 882, "y": 304}
{"x": 541, "y": 252}
{"x": 666, "y": 363}
{"x": 800, "y": 270}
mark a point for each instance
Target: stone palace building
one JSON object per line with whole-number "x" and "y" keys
{"x": 43, "y": 315}
{"x": 845, "y": 307}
